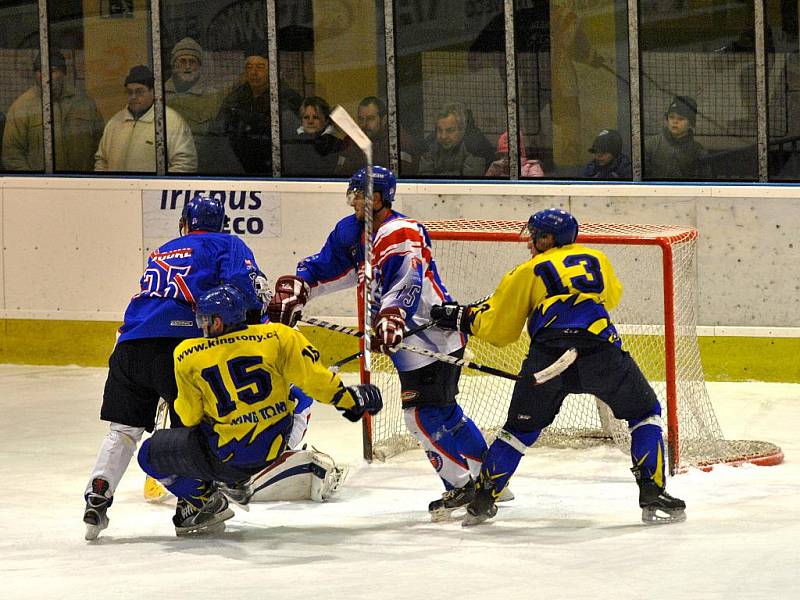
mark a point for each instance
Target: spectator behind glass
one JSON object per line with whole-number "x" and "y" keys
{"x": 128, "y": 142}
{"x": 609, "y": 162}
{"x": 499, "y": 168}
{"x": 77, "y": 125}
{"x": 246, "y": 118}
{"x": 189, "y": 93}
{"x": 313, "y": 152}
{"x": 448, "y": 155}
{"x": 373, "y": 120}
{"x": 674, "y": 153}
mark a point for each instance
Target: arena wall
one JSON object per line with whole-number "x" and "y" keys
{"x": 73, "y": 250}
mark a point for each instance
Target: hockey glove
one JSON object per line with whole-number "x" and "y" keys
{"x": 264, "y": 293}
{"x": 291, "y": 295}
{"x": 389, "y": 328}
{"x": 367, "y": 398}
{"x": 451, "y": 315}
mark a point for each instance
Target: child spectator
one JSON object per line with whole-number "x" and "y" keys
{"x": 674, "y": 153}
{"x": 609, "y": 162}
{"x": 499, "y": 167}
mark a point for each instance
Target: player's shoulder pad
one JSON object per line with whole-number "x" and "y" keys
{"x": 347, "y": 230}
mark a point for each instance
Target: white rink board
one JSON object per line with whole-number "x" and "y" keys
{"x": 90, "y": 234}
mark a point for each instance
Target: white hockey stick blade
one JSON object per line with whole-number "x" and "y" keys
{"x": 558, "y": 367}
{"x": 346, "y": 123}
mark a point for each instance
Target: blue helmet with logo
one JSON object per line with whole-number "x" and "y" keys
{"x": 224, "y": 301}
{"x": 561, "y": 224}
{"x": 202, "y": 212}
{"x": 383, "y": 181}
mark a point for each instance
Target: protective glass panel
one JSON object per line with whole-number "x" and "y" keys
{"x": 103, "y": 119}
{"x": 20, "y": 89}
{"x": 330, "y": 53}
{"x": 698, "y": 90}
{"x": 216, "y": 85}
{"x": 574, "y": 91}
{"x": 451, "y": 92}
{"x": 783, "y": 89}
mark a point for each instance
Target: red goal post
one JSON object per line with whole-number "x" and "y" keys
{"x": 657, "y": 319}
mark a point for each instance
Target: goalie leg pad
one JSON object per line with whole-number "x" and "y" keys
{"x": 298, "y": 475}
{"x": 429, "y": 425}
{"x": 114, "y": 455}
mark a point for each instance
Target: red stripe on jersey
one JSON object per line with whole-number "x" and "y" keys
{"x": 385, "y": 245}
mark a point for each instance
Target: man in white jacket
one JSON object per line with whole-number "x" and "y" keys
{"x": 128, "y": 142}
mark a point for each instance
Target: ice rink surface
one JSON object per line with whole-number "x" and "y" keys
{"x": 573, "y": 531}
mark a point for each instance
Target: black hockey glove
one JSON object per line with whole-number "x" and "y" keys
{"x": 451, "y": 315}
{"x": 368, "y": 400}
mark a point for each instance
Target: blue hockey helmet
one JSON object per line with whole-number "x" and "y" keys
{"x": 383, "y": 181}
{"x": 203, "y": 212}
{"x": 561, "y": 224}
{"x": 224, "y": 301}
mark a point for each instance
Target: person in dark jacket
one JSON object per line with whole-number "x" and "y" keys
{"x": 609, "y": 162}
{"x": 674, "y": 153}
{"x": 245, "y": 117}
{"x": 313, "y": 151}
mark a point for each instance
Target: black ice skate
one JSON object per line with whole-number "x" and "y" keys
{"x": 658, "y": 507}
{"x": 97, "y": 503}
{"x": 208, "y": 519}
{"x": 239, "y": 493}
{"x": 482, "y": 507}
{"x": 442, "y": 509}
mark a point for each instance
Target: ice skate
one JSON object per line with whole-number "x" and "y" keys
{"x": 658, "y": 507}
{"x": 443, "y": 508}
{"x": 239, "y": 493}
{"x": 97, "y": 503}
{"x": 506, "y": 495}
{"x": 482, "y": 507}
{"x": 209, "y": 519}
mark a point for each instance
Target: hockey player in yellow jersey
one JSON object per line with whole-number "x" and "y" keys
{"x": 564, "y": 292}
{"x": 233, "y": 397}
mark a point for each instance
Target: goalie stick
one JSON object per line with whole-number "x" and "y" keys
{"x": 554, "y": 370}
{"x": 346, "y": 123}
{"x": 153, "y": 490}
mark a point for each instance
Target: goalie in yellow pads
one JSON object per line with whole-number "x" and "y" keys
{"x": 233, "y": 388}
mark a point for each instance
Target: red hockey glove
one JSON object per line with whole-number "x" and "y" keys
{"x": 389, "y": 328}
{"x": 291, "y": 295}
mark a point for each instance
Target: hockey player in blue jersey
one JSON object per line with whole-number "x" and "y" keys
{"x": 564, "y": 292}
{"x": 157, "y": 319}
{"x": 406, "y": 284}
{"x": 232, "y": 396}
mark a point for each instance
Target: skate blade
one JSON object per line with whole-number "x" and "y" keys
{"x": 243, "y": 503}
{"x": 209, "y": 527}
{"x": 93, "y": 531}
{"x": 440, "y": 515}
{"x": 658, "y": 516}
{"x": 471, "y": 520}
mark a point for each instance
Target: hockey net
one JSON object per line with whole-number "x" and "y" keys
{"x": 657, "y": 319}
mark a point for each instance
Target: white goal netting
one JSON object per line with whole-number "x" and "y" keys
{"x": 657, "y": 320}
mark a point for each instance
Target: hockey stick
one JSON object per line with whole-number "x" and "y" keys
{"x": 153, "y": 490}
{"x": 345, "y": 122}
{"x": 546, "y": 374}
{"x": 339, "y": 363}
